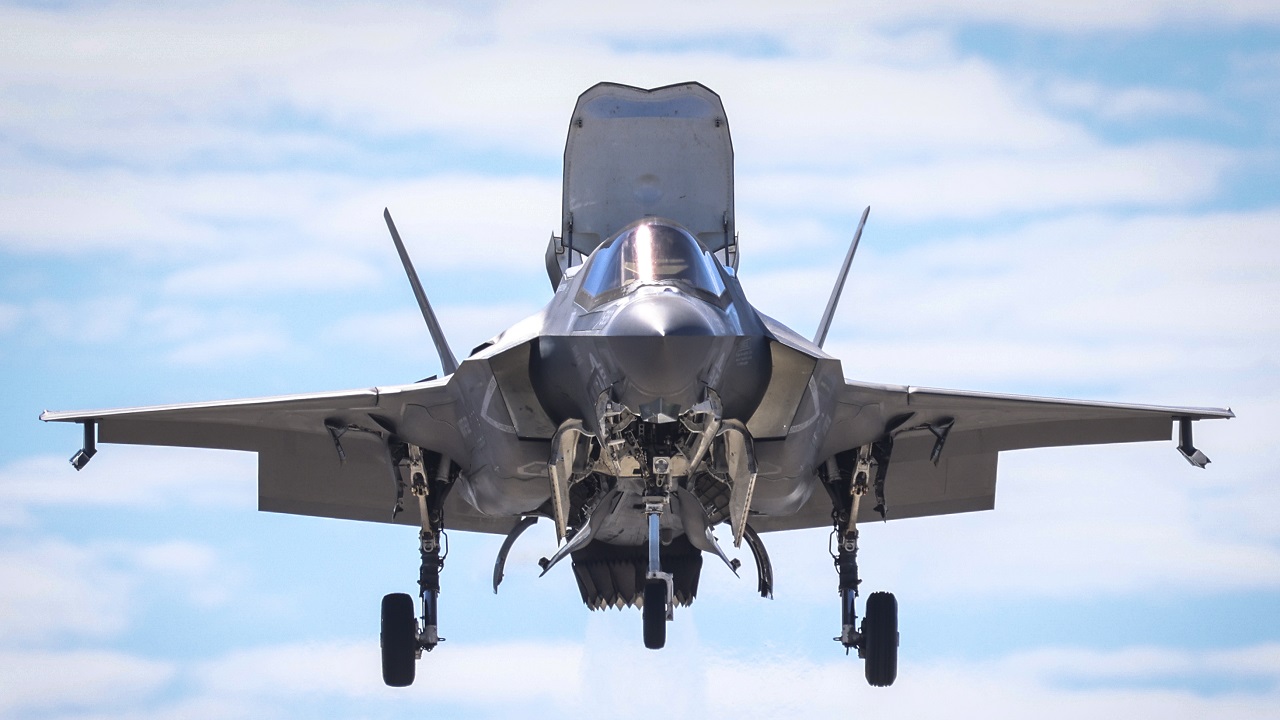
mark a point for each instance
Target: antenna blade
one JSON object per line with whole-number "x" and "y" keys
{"x": 825, "y": 324}
{"x": 447, "y": 361}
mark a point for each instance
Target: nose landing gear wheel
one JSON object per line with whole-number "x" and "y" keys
{"x": 399, "y": 640}
{"x": 880, "y": 639}
{"x": 655, "y": 614}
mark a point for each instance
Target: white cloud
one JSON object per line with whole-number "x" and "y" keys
{"x": 797, "y": 21}
{"x": 133, "y": 477}
{"x": 452, "y": 221}
{"x": 182, "y": 323}
{"x": 823, "y": 102}
{"x": 46, "y": 584}
{"x": 1030, "y": 685}
{"x": 767, "y": 235}
{"x": 288, "y": 273}
{"x": 990, "y": 185}
{"x": 54, "y": 591}
{"x": 324, "y": 221}
{"x": 1090, "y": 15}
{"x": 94, "y": 321}
{"x": 849, "y": 113}
{"x": 184, "y": 335}
{"x": 296, "y": 680}
{"x": 144, "y": 83}
{"x": 230, "y": 347}
{"x": 283, "y": 680}
{"x": 1133, "y": 104}
{"x": 36, "y": 683}
{"x": 478, "y": 675}
{"x": 1152, "y": 663}
{"x": 1078, "y": 287}
{"x": 197, "y": 569}
{"x": 60, "y": 211}
{"x": 899, "y": 120}
{"x": 209, "y": 331}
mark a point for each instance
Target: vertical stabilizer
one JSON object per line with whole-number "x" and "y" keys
{"x": 448, "y": 362}
{"x": 825, "y": 324}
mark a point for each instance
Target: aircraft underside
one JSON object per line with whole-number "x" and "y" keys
{"x": 636, "y": 493}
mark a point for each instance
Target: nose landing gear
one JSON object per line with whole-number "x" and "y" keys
{"x": 658, "y": 587}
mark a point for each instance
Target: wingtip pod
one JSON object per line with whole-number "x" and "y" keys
{"x": 90, "y": 423}
{"x": 90, "y": 448}
{"x": 824, "y": 324}
{"x": 448, "y": 362}
{"x": 1185, "y": 444}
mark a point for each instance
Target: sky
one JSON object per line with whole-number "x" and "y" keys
{"x": 1068, "y": 199}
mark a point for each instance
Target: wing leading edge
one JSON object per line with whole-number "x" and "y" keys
{"x": 946, "y": 443}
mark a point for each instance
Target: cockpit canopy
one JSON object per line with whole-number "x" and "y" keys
{"x": 651, "y": 251}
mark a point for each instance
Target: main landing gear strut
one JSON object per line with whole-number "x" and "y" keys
{"x": 876, "y": 641}
{"x": 404, "y": 637}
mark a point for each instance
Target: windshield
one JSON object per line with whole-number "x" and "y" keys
{"x": 651, "y": 251}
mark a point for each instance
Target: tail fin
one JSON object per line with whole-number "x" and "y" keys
{"x": 448, "y": 362}
{"x": 825, "y": 324}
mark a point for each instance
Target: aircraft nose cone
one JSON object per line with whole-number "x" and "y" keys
{"x": 663, "y": 315}
{"x": 662, "y": 343}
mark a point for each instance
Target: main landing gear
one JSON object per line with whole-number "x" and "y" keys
{"x": 399, "y": 640}
{"x": 404, "y": 637}
{"x": 879, "y": 646}
{"x": 847, "y": 478}
{"x": 877, "y": 640}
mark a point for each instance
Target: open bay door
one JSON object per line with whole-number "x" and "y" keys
{"x": 633, "y": 153}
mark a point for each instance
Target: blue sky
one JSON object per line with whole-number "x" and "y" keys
{"x": 1067, "y": 199}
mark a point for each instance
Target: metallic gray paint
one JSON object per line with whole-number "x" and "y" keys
{"x": 652, "y": 355}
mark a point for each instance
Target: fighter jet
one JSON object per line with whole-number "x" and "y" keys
{"x": 646, "y": 406}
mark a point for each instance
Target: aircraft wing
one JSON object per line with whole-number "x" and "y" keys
{"x": 975, "y": 428}
{"x": 300, "y": 470}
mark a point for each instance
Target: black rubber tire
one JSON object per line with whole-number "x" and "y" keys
{"x": 399, "y": 640}
{"x": 880, "y": 639}
{"x": 655, "y": 614}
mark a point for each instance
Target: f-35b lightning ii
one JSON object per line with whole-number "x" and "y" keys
{"x": 646, "y": 405}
